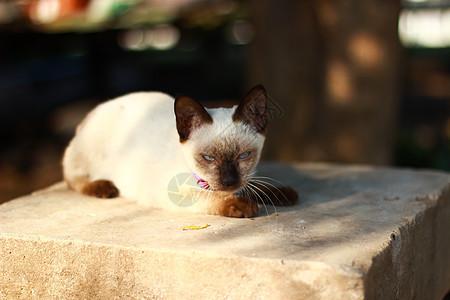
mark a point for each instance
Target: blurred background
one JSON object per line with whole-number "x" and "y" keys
{"x": 349, "y": 81}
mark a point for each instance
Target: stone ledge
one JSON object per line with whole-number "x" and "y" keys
{"x": 358, "y": 232}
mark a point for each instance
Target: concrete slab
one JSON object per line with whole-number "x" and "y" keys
{"x": 358, "y": 232}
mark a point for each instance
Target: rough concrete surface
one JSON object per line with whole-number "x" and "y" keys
{"x": 358, "y": 232}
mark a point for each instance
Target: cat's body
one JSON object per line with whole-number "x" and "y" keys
{"x": 137, "y": 144}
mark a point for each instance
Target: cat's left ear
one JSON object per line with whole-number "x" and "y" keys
{"x": 190, "y": 115}
{"x": 253, "y": 109}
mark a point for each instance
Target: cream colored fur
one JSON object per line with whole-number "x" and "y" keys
{"x": 133, "y": 141}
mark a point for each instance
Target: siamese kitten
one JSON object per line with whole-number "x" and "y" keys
{"x": 174, "y": 154}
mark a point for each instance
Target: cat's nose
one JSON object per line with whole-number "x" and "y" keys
{"x": 229, "y": 174}
{"x": 230, "y": 181}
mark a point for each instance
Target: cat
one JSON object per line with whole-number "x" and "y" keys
{"x": 144, "y": 145}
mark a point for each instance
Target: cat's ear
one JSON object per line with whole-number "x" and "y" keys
{"x": 190, "y": 115}
{"x": 253, "y": 109}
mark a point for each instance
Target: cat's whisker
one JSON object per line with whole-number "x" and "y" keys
{"x": 263, "y": 183}
{"x": 250, "y": 185}
{"x": 262, "y": 201}
{"x": 268, "y": 178}
{"x": 263, "y": 179}
{"x": 246, "y": 194}
{"x": 272, "y": 192}
{"x": 251, "y": 174}
{"x": 262, "y": 191}
{"x": 249, "y": 178}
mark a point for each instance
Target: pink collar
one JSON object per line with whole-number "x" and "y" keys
{"x": 202, "y": 183}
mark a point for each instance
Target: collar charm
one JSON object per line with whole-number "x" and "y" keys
{"x": 202, "y": 183}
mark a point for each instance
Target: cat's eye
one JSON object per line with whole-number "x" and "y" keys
{"x": 209, "y": 158}
{"x": 244, "y": 155}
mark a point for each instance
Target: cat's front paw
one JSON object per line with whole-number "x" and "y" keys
{"x": 239, "y": 207}
{"x": 101, "y": 189}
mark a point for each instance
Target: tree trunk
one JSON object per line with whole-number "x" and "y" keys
{"x": 331, "y": 69}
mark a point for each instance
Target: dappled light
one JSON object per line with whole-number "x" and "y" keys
{"x": 426, "y": 27}
{"x": 340, "y": 83}
{"x": 162, "y": 37}
{"x": 366, "y": 51}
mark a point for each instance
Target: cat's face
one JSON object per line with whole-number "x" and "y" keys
{"x": 224, "y": 157}
{"x": 223, "y": 145}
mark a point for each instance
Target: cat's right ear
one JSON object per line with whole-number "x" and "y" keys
{"x": 253, "y": 109}
{"x": 190, "y": 115}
